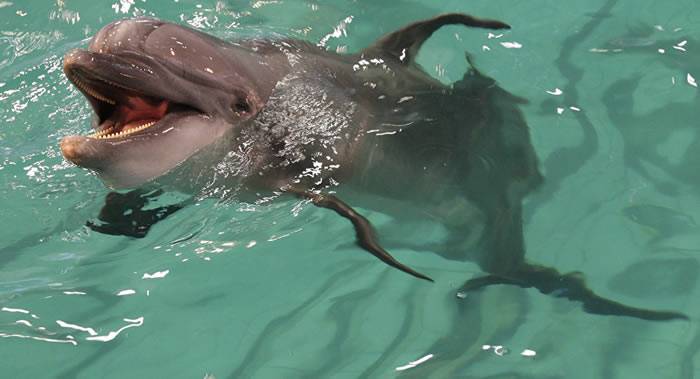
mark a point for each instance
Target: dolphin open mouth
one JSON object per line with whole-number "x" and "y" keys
{"x": 121, "y": 111}
{"x": 160, "y": 94}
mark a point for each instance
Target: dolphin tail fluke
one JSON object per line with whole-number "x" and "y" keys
{"x": 403, "y": 44}
{"x": 570, "y": 286}
{"x": 366, "y": 238}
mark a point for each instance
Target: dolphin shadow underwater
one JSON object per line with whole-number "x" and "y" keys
{"x": 647, "y": 136}
{"x": 176, "y": 108}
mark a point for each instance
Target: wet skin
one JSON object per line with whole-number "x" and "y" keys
{"x": 176, "y": 108}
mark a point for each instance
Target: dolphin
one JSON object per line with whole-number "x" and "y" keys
{"x": 177, "y": 108}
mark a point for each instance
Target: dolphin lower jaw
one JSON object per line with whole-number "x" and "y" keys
{"x": 138, "y": 158}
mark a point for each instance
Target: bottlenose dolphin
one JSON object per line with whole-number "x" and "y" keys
{"x": 176, "y": 107}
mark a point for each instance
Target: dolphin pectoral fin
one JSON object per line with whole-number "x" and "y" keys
{"x": 403, "y": 44}
{"x": 364, "y": 231}
{"x": 569, "y": 286}
{"x": 123, "y": 213}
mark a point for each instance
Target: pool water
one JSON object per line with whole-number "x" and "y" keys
{"x": 227, "y": 289}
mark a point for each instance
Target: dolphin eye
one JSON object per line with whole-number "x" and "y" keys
{"x": 241, "y": 106}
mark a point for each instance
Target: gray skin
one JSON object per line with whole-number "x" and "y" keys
{"x": 284, "y": 115}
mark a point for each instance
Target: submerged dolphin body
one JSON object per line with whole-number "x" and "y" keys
{"x": 180, "y": 108}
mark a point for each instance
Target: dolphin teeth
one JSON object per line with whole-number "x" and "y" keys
{"x": 107, "y": 133}
{"x": 101, "y": 133}
{"x": 91, "y": 91}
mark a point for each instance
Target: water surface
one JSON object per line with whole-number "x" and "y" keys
{"x": 279, "y": 291}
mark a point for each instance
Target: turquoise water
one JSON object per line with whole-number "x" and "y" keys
{"x": 280, "y": 291}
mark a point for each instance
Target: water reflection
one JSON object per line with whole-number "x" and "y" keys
{"x": 662, "y": 145}
{"x": 48, "y": 333}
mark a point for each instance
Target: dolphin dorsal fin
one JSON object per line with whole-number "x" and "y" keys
{"x": 403, "y": 44}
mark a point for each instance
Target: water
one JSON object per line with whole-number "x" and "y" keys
{"x": 279, "y": 291}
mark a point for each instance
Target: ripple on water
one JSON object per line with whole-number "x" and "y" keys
{"x": 15, "y": 44}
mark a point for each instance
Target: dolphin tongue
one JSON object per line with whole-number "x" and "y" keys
{"x": 136, "y": 111}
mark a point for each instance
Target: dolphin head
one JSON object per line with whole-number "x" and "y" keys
{"x": 160, "y": 93}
